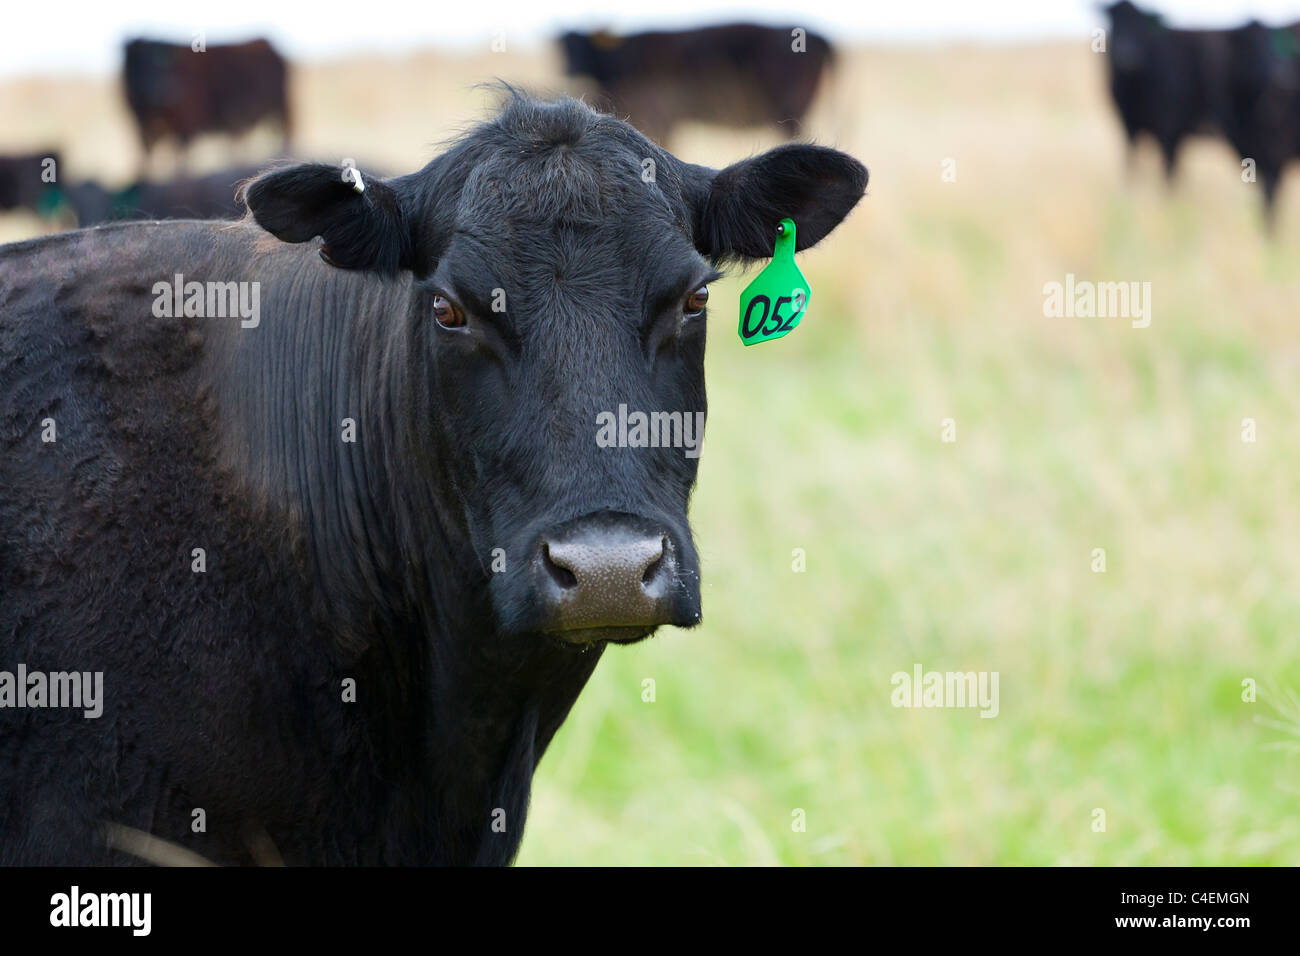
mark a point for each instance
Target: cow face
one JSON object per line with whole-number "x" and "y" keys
{"x": 560, "y": 268}
{"x": 1130, "y": 37}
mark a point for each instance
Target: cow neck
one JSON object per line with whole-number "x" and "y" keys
{"x": 392, "y": 574}
{"x": 306, "y": 409}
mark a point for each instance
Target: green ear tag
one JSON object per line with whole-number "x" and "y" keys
{"x": 774, "y": 303}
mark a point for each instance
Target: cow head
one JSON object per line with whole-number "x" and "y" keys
{"x": 559, "y": 267}
{"x": 1131, "y": 30}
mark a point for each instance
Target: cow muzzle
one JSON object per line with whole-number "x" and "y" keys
{"x": 613, "y": 577}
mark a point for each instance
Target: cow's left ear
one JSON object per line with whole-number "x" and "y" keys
{"x": 738, "y": 208}
{"x": 361, "y": 230}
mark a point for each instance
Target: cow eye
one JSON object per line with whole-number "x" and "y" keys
{"x": 446, "y": 313}
{"x": 696, "y": 301}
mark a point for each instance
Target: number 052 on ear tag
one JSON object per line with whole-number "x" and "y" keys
{"x": 774, "y": 303}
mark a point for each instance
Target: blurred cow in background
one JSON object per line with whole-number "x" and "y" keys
{"x": 87, "y": 202}
{"x": 1264, "y": 96}
{"x": 28, "y": 181}
{"x": 1243, "y": 83}
{"x": 84, "y": 203}
{"x": 738, "y": 75}
{"x": 186, "y": 197}
{"x": 175, "y": 91}
{"x": 1170, "y": 84}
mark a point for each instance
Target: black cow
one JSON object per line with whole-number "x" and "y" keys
{"x": 738, "y": 74}
{"x": 89, "y": 203}
{"x": 210, "y": 196}
{"x": 30, "y": 181}
{"x": 1264, "y": 97}
{"x": 1169, "y": 84}
{"x": 176, "y": 91}
{"x": 393, "y": 475}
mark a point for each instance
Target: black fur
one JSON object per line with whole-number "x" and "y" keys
{"x": 328, "y": 560}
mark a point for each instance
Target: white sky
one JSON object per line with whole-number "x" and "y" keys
{"x": 86, "y": 35}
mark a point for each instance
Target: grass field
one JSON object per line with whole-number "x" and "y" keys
{"x": 1120, "y": 691}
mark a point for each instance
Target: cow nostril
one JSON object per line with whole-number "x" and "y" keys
{"x": 561, "y": 575}
{"x": 652, "y": 569}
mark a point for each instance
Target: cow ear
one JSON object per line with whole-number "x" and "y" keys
{"x": 737, "y": 215}
{"x": 360, "y": 230}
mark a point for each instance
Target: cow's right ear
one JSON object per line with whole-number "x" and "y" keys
{"x": 360, "y": 230}
{"x": 737, "y": 209}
